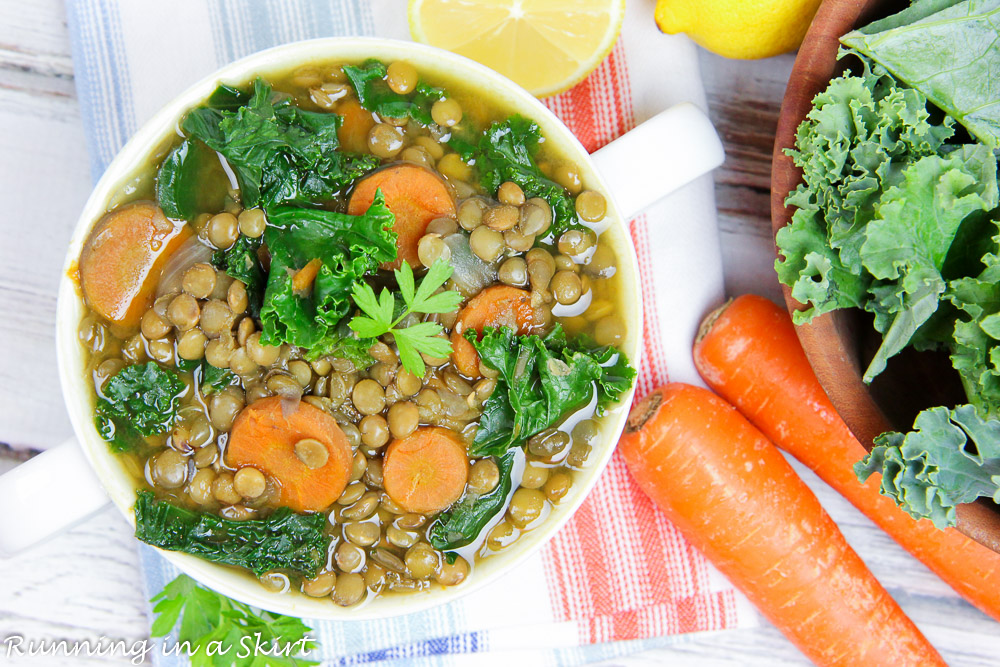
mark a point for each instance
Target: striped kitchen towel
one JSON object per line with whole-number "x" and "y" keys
{"x": 618, "y": 578}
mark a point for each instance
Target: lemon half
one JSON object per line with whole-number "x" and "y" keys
{"x": 546, "y": 46}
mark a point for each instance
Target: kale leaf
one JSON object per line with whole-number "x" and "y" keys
{"x": 541, "y": 381}
{"x": 951, "y": 457}
{"x": 467, "y": 518}
{"x": 279, "y": 152}
{"x": 948, "y": 51}
{"x": 208, "y": 618}
{"x": 349, "y": 248}
{"x": 907, "y": 243}
{"x": 506, "y": 152}
{"x": 140, "y": 400}
{"x": 854, "y": 144}
{"x": 283, "y": 541}
{"x": 374, "y": 94}
{"x": 213, "y": 379}
{"x": 242, "y": 262}
{"x": 190, "y": 181}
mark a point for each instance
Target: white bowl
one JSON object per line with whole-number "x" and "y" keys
{"x": 162, "y": 128}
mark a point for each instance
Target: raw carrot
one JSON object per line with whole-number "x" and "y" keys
{"x": 493, "y": 307}
{"x": 748, "y": 352}
{"x": 414, "y": 194}
{"x": 426, "y": 471}
{"x": 123, "y": 257}
{"x": 264, "y": 436}
{"x": 734, "y": 497}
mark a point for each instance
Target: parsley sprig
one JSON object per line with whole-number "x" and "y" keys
{"x": 380, "y": 314}
{"x": 216, "y": 630}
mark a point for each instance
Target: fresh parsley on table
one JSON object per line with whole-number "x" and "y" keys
{"x": 240, "y": 635}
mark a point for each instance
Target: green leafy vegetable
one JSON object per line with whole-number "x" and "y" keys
{"x": 948, "y": 51}
{"x": 349, "y": 247}
{"x": 975, "y": 346}
{"x": 241, "y": 636}
{"x": 282, "y": 541}
{"x": 242, "y": 262}
{"x": 140, "y": 400}
{"x": 190, "y": 181}
{"x": 916, "y": 224}
{"x": 541, "y": 381}
{"x": 381, "y": 316}
{"x": 374, "y": 94}
{"x": 950, "y": 458}
{"x": 279, "y": 152}
{"x": 854, "y": 144}
{"x": 214, "y": 380}
{"x": 467, "y": 518}
{"x": 506, "y": 152}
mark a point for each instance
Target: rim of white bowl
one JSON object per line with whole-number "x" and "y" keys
{"x": 159, "y": 129}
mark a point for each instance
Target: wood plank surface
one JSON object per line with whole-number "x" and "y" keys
{"x": 84, "y": 583}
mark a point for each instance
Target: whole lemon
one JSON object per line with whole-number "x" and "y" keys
{"x": 739, "y": 28}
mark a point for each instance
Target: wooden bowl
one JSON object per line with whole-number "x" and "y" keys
{"x": 840, "y": 344}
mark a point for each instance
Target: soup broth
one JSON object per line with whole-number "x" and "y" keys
{"x": 358, "y": 325}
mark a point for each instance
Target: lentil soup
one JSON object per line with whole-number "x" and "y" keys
{"x": 357, "y": 325}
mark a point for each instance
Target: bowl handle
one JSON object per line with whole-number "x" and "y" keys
{"x": 669, "y": 150}
{"x": 45, "y": 495}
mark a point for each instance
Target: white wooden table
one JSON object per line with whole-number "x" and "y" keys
{"x": 84, "y": 584}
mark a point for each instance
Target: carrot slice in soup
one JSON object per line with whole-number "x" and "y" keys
{"x": 264, "y": 437}
{"x": 426, "y": 471}
{"x": 497, "y": 306}
{"x": 414, "y": 194}
{"x": 123, "y": 257}
{"x": 353, "y": 132}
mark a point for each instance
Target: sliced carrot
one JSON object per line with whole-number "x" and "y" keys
{"x": 353, "y": 132}
{"x": 426, "y": 471}
{"x": 264, "y": 437}
{"x": 497, "y": 306}
{"x": 748, "y": 352}
{"x": 734, "y": 497}
{"x": 123, "y": 257}
{"x": 414, "y": 194}
{"x": 304, "y": 277}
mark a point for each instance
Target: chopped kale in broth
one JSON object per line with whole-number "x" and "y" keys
{"x": 387, "y": 346}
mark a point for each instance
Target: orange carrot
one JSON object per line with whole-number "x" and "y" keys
{"x": 495, "y": 306}
{"x": 353, "y": 132}
{"x": 414, "y": 194}
{"x": 748, "y": 352}
{"x": 304, "y": 277}
{"x": 426, "y": 471}
{"x": 735, "y": 498}
{"x": 122, "y": 260}
{"x": 264, "y": 436}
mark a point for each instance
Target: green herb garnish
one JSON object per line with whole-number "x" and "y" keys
{"x": 282, "y": 541}
{"x": 381, "y": 314}
{"x": 140, "y": 400}
{"x": 234, "y": 630}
